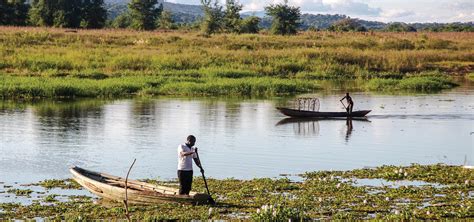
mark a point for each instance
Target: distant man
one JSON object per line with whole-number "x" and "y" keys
{"x": 186, "y": 153}
{"x": 350, "y": 103}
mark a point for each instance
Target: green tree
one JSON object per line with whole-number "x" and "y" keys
{"x": 4, "y": 12}
{"x": 399, "y": 27}
{"x": 285, "y": 18}
{"x": 250, "y": 25}
{"x": 94, "y": 14}
{"x": 232, "y": 20}
{"x": 213, "y": 15}
{"x": 13, "y": 12}
{"x": 58, "y": 13}
{"x": 166, "y": 20}
{"x": 37, "y": 14}
{"x": 144, "y": 14}
{"x": 122, "y": 21}
{"x": 347, "y": 25}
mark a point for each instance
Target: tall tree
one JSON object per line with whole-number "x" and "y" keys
{"x": 94, "y": 14}
{"x": 213, "y": 15}
{"x": 58, "y": 13}
{"x": 232, "y": 19}
{"x": 40, "y": 13}
{"x": 122, "y": 21}
{"x": 4, "y": 11}
{"x": 13, "y": 12}
{"x": 285, "y": 18}
{"x": 166, "y": 20}
{"x": 144, "y": 13}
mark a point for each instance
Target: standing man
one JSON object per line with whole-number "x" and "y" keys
{"x": 350, "y": 103}
{"x": 186, "y": 153}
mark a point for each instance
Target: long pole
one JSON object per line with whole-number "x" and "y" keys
{"x": 343, "y": 104}
{"x": 211, "y": 201}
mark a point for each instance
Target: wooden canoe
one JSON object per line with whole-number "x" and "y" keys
{"x": 303, "y": 113}
{"x": 113, "y": 188}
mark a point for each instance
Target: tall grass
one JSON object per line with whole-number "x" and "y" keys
{"x": 417, "y": 83}
{"x": 53, "y": 87}
{"x": 109, "y": 62}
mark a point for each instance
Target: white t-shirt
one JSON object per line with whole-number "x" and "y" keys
{"x": 185, "y": 162}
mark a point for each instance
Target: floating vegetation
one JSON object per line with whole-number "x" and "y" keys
{"x": 320, "y": 195}
{"x": 64, "y": 184}
{"x": 50, "y": 198}
{"x": 20, "y": 192}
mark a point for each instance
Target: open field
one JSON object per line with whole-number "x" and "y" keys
{"x": 40, "y": 62}
{"x": 383, "y": 193}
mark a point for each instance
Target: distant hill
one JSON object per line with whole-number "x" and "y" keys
{"x": 183, "y": 13}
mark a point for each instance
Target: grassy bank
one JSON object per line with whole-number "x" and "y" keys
{"x": 51, "y": 87}
{"x": 118, "y": 62}
{"x": 422, "y": 192}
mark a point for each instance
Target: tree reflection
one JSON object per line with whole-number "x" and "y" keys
{"x": 65, "y": 119}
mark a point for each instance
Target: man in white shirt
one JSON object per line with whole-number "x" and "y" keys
{"x": 186, "y": 153}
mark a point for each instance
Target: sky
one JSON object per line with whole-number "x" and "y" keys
{"x": 376, "y": 10}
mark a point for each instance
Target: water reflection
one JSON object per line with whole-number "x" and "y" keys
{"x": 310, "y": 126}
{"x": 302, "y": 126}
{"x": 237, "y": 138}
{"x": 349, "y": 128}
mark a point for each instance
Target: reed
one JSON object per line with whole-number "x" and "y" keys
{"x": 118, "y": 62}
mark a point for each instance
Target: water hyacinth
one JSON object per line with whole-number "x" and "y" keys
{"x": 313, "y": 200}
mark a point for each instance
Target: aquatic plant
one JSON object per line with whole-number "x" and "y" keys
{"x": 20, "y": 192}
{"x": 64, "y": 184}
{"x": 322, "y": 195}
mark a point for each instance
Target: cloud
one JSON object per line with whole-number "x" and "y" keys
{"x": 461, "y": 5}
{"x": 381, "y": 10}
{"x": 351, "y": 7}
{"x": 305, "y": 5}
{"x": 311, "y": 5}
{"x": 397, "y": 13}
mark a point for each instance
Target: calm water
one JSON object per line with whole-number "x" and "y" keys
{"x": 237, "y": 138}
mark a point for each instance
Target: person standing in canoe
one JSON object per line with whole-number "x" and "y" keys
{"x": 186, "y": 154}
{"x": 350, "y": 103}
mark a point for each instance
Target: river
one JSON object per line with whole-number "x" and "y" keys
{"x": 239, "y": 138}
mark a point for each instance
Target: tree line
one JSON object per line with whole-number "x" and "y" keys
{"x": 149, "y": 15}
{"x": 143, "y": 15}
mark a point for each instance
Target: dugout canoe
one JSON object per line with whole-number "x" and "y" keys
{"x": 113, "y": 188}
{"x": 312, "y": 114}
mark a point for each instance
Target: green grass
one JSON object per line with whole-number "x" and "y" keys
{"x": 108, "y": 63}
{"x": 53, "y": 87}
{"x": 417, "y": 84}
{"x": 320, "y": 195}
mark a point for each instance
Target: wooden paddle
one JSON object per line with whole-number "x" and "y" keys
{"x": 344, "y": 105}
{"x": 211, "y": 201}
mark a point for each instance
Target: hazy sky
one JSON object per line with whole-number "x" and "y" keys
{"x": 379, "y": 10}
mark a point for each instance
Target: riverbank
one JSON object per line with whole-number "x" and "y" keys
{"x": 386, "y": 192}
{"x": 51, "y": 63}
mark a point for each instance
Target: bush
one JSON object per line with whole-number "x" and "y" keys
{"x": 403, "y": 44}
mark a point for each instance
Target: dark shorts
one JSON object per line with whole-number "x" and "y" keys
{"x": 185, "y": 179}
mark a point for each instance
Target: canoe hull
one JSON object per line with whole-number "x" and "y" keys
{"x": 311, "y": 114}
{"x": 112, "y": 188}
